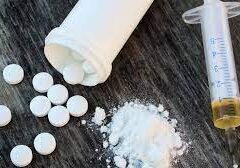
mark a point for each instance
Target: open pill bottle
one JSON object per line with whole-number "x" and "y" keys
{"x": 92, "y": 35}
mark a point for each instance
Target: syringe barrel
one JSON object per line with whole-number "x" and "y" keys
{"x": 220, "y": 62}
{"x": 219, "y": 53}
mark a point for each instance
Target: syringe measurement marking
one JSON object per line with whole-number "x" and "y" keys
{"x": 227, "y": 76}
{"x": 221, "y": 54}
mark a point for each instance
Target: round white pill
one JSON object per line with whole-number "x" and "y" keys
{"x": 88, "y": 68}
{"x": 5, "y": 115}
{"x": 42, "y": 82}
{"x": 73, "y": 74}
{"x": 58, "y": 116}
{"x": 57, "y": 94}
{"x": 45, "y": 143}
{"x": 21, "y": 155}
{"x": 77, "y": 106}
{"x": 13, "y": 74}
{"x": 40, "y": 106}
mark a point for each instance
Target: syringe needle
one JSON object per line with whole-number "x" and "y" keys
{"x": 231, "y": 136}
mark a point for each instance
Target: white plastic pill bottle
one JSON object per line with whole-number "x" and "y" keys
{"x": 92, "y": 35}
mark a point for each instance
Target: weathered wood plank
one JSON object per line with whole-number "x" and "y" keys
{"x": 162, "y": 62}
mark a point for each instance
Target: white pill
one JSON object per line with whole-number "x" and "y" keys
{"x": 42, "y": 82}
{"x": 58, "y": 116}
{"x": 91, "y": 79}
{"x": 45, "y": 143}
{"x": 88, "y": 68}
{"x": 77, "y": 106}
{"x": 21, "y": 155}
{"x": 13, "y": 74}
{"x": 73, "y": 74}
{"x": 5, "y": 115}
{"x": 57, "y": 94}
{"x": 40, "y": 106}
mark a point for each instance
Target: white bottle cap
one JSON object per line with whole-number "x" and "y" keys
{"x": 93, "y": 33}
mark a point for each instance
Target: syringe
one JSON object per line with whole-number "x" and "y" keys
{"x": 222, "y": 77}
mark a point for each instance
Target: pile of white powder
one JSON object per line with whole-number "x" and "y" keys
{"x": 140, "y": 136}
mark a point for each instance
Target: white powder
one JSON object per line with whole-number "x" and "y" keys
{"x": 83, "y": 122}
{"x": 103, "y": 129}
{"x": 160, "y": 108}
{"x": 99, "y": 116}
{"x": 143, "y": 136}
{"x": 105, "y": 144}
{"x": 120, "y": 162}
{"x": 235, "y": 166}
{"x": 113, "y": 139}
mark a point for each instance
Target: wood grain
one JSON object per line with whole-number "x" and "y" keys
{"x": 162, "y": 62}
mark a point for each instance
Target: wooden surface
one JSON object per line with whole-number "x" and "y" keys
{"x": 162, "y": 62}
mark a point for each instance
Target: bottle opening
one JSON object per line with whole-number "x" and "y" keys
{"x": 59, "y": 56}
{"x": 62, "y": 58}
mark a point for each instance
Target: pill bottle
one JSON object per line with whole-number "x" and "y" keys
{"x": 92, "y": 35}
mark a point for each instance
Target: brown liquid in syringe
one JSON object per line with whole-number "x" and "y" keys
{"x": 226, "y": 113}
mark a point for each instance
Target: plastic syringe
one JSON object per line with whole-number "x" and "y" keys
{"x": 223, "y": 84}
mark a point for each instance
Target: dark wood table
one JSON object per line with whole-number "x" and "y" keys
{"x": 162, "y": 62}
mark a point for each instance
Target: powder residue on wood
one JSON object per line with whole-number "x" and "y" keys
{"x": 142, "y": 136}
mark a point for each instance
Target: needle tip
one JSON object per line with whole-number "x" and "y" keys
{"x": 231, "y": 135}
